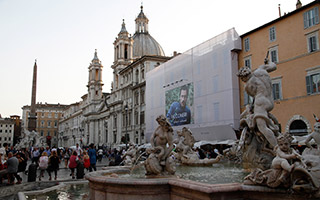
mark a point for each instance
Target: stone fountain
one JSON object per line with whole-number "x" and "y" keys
{"x": 277, "y": 171}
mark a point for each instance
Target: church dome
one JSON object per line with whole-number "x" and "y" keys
{"x": 143, "y": 42}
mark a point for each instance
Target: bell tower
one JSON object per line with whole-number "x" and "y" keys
{"x": 122, "y": 53}
{"x": 95, "y": 79}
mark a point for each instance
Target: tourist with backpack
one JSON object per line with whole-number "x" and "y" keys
{"x": 54, "y": 162}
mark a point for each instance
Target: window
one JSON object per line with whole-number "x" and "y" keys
{"x": 276, "y": 89}
{"x": 41, "y": 132}
{"x": 142, "y": 96}
{"x": 311, "y": 17}
{"x": 272, "y": 34}
{"x": 142, "y": 117}
{"x": 247, "y": 62}
{"x": 216, "y": 111}
{"x": 114, "y": 137}
{"x": 49, "y": 115}
{"x": 55, "y": 124}
{"x": 142, "y": 74}
{"x": 274, "y": 54}
{"x": 215, "y": 84}
{"x": 115, "y": 121}
{"x": 313, "y": 42}
{"x": 313, "y": 83}
{"x": 246, "y": 44}
{"x": 136, "y": 98}
{"x": 55, "y": 115}
{"x": 136, "y": 117}
{"x": 49, "y": 123}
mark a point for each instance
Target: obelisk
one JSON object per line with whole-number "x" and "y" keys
{"x": 32, "y": 119}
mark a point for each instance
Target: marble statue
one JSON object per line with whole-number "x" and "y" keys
{"x": 315, "y": 135}
{"x": 260, "y": 127}
{"x": 281, "y": 167}
{"x": 130, "y": 156}
{"x": 159, "y": 161}
{"x": 31, "y": 139}
{"x": 184, "y": 152}
{"x": 300, "y": 173}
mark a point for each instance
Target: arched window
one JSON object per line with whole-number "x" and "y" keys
{"x": 126, "y": 51}
{"x": 298, "y": 127}
{"x": 137, "y": 76}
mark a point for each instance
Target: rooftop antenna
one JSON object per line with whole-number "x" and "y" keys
{"x": 279, "y": 10}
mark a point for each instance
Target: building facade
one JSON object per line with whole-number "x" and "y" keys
{"x": 206, "y": 77}
{"x": 6, "y": 131}
{"x": 17, "y": 128}
{"x": 118, "y": 117}
{"x": 292, "y": 42}
{"x": 47, "y": 123}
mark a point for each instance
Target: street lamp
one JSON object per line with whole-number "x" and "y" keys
{"x": 126, "y": 124}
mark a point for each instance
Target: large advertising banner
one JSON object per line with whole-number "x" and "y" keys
{"x": 179, "y": 105}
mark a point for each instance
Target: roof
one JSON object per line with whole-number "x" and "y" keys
{"x": 282, "y": 17}
{"x": 145, "y": 44}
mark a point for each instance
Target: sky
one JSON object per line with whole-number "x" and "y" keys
{"x": 63, "y": 35}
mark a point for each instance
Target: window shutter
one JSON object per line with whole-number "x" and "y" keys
{"x": 316, "y": 15}
{"x": 308, "y": 84}
{"x": 305, "y": 19}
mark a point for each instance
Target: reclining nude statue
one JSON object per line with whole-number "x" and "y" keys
{"x": 260, "y": 127}
{"x": 159, "y": 161}
{"x": 184, "y": 152}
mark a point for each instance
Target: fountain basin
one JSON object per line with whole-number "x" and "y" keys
{"x": 106, "y": 184}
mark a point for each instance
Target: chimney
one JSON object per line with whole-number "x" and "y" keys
{"x": 279, "y": 10}
{"x": 174, "y": 53}
{"x": 298, "y": 4}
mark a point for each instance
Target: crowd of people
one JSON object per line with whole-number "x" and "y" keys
{"x": 48, "y": 160}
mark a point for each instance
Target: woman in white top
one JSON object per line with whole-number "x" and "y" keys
{"x": 43, "y": 164}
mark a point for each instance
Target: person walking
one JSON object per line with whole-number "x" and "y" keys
{"x": 35, "y": 155}
{"x": 86, "y": 160}
{"x": 43, "y": 164}
{"x": 93, "y": 157}
{"x": 13, "y": 164}
{"x": 66, "y": 156}
{"x": 73, "y": 163}
{"x": 54, "y": 162}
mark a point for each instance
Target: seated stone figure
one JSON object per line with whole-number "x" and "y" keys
{"x": 130, "y": 156}
{"x": 184, "y": 152}
{"x": 281, "y": 168}
{"x": 159, "y": 160}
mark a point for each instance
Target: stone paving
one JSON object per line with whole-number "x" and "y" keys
{"x": 9, "y": 192}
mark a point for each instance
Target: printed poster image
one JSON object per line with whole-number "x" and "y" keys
{"x": 179, "y": 105}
